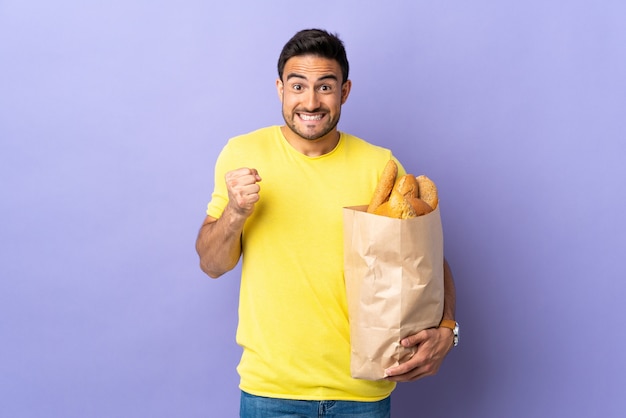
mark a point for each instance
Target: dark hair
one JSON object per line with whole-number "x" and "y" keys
{"x": 315, "y": 42}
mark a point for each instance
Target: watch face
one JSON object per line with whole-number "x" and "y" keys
{"x": 456, "y": 334}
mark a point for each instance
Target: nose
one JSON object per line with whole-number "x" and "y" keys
{"x": 311, "y": 100}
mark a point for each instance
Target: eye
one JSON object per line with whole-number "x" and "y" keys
{"x": 328, "y": 88}
{"x": 297, "y": 87}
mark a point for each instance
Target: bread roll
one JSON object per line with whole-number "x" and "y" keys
{"x": 385, "y": 184}
{"x": 419, "y": 206}
{"x": 407, "y": 185}
{"x": 427, "y": 191}
{"x": 397, "y": 206}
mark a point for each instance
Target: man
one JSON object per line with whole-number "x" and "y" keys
{"x": 277, "y": 204}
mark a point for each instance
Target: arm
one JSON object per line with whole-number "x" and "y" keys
{"x": 449, "y": 296}
{"x": 219, "y": 241}
{"x": 432, "y": 344}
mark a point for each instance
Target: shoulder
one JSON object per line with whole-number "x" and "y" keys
{"x": 250, "y": 149}
{"x": 375, "y": 155}
{"x": 259, "y": 137}
{"x": 364, "y": 149}
{"x": 359, "y": 144}
{"x": 250, "y": 144}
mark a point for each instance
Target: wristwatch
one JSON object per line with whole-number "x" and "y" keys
{"x": 454, "y": 326}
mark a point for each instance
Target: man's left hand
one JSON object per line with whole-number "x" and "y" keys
{"x": 433, "y": 345}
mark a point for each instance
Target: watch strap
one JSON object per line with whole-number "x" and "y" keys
{"x": 448, "y": 323}
{"x": 454, "y": 326}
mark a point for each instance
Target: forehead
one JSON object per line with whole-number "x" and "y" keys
{"x": 311, "y": 67}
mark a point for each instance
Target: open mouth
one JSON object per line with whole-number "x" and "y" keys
{"x": 311, "y": 118}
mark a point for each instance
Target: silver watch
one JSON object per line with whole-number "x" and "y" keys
{"x": 456, "y": 332}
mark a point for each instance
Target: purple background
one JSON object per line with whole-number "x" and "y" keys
{"x": 111, "y": 117}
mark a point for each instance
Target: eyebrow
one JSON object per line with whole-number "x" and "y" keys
{"x": 324, "y": 77}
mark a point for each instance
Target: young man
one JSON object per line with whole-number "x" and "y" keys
{"x": 277, "y": 204}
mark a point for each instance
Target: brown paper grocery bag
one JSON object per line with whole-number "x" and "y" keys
{"x": 394, "y": 282}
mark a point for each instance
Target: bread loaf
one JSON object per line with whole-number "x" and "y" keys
{"x": 407, "y": 185}
{"x": 427, "y": 191}
{"x": 397, "y": 206}
{"x": 403, "y": 197}
{"x": 385, "y": 185}
{"x": 419, "y": 206}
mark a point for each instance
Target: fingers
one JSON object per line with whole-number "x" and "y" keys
{"x": 241, "y": 177}
{"x": 414, "y": 339}
{"x": 243, "y": 190}
{"x": 414, "y": 369}
{"x": 432, "y": 347}
{"x": 253, "y": 172}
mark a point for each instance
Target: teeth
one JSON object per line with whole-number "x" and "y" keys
{"x": 311, "y": 117}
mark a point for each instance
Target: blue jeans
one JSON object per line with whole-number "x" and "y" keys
{"x": 259, "y": 407}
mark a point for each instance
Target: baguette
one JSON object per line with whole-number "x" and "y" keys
{"x": 384, "y": 187}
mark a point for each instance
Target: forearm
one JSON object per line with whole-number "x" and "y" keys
{"x": 219, "y": 244}
{"x": 449, "y": 298}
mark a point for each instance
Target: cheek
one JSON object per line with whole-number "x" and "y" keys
{"x": 289, "y": 100}
{"x": 335, "y": 102}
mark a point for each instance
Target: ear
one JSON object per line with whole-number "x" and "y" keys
{"x": 280, "y": 87}
{"x": 345, "y": 91}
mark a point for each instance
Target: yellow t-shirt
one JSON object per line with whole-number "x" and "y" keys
{"x": 293, "y": 317}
